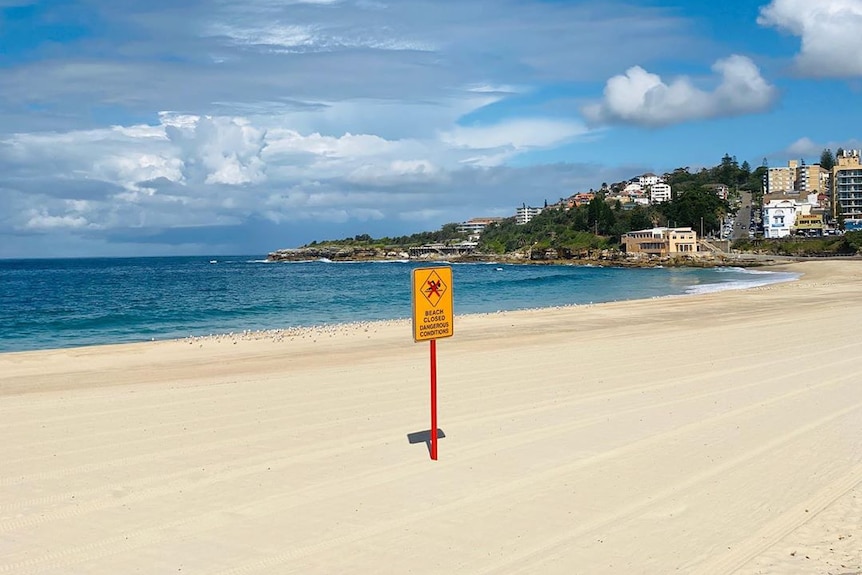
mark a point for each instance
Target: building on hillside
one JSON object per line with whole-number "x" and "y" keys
{"x": 659, "y": 193}
{"x": 476, "y": 226}
{"x": 633, "y": 189}
{"x": 720, "y": 190}
{"x": 649, "y": 179}
{"x": 526, "y": 213}
{"x": 623, "y": 200}
{"x": 661, "y": 241}
{"x": 582, "y": 199}
{"x": 847, "y": 186}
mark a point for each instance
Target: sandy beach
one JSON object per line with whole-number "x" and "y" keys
{"x": 715, "y": 433}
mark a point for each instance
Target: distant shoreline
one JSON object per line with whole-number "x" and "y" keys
{"x": 326, "y": 329}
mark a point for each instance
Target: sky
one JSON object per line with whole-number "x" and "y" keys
{"x": 220, "y": 127}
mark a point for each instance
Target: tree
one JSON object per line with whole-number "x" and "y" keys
{"x": 600, "y": 217}
{"x": 827, "y": 160}
{"x": 693, "y": 206}
{"x": 640, "y": 219}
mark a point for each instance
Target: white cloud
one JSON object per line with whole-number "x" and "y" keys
{"x": 282, "y": 141}
{"x": 225, "y": 150}
{"x": 828, "y": 29}
{"x": 290, "y": 39}
{"x": 397, "y": 172}
{"x": 190, "y": 170}
{"x": 41, "y": 220}
{"x": 218, "y": 58}
{"x": 131, "y": 167}
{"x": 517, "y": 134}
{"x": 640, "y": 97}
{"x": 805, "y": 147}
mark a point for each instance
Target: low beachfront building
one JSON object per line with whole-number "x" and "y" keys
{"x": 779, "y": 216}
{"x": 437, "y": 250}
{"x": 809, "y": 225}
{"x": 661, "y": 241}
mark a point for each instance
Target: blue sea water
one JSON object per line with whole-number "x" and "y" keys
{"x": 73, "y": 302}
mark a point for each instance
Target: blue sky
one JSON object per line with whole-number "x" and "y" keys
{"x": 222, "y": 127}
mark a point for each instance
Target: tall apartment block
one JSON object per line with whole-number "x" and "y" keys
{"x": 847, "y": 185}
{"x": 797, "y": 178}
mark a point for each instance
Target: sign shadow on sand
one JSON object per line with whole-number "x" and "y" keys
{"x": 424, "y": 437}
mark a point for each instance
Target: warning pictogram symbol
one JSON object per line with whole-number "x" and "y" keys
{"x": 434, "y": 288}
{"x": 433, "y": 317}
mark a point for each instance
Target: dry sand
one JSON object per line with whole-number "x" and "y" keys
{"x": 718, "y": 433}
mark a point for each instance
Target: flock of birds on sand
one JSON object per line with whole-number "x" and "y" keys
{"x": 312, "y": 333}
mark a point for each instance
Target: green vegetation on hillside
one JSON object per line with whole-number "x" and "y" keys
{"x": 447, "y": 234}
{"x": 848, "y": 244}
{"x": 601, "y": 223}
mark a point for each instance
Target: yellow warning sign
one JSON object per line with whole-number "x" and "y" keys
{"x": 433, "y": 317}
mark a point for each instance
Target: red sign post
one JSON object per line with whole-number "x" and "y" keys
{"x": 433, "y": 318}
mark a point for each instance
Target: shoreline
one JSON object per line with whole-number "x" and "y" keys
{"x": 280, "y": 334}
{"x": 591, "y": 437}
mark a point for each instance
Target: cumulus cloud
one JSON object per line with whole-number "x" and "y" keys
{"x": 805, "y": 147}
{"x": 640, "y": 97}
{"x": 218, "y": 150}
{"x": 828, "y": 30}
{"x": 190, "y": 170}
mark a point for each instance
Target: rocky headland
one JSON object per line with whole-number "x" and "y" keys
{"x": 587, "y": 257}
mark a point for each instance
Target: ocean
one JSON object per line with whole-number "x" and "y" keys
{"x": 63, "y": 303}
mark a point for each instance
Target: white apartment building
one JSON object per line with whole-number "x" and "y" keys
{"x": 649, "y": 179}
{"x": 779, "y": 217}
{"x": 633, "y": 189}
{"x": 526, "y": 213}
{"x": 659, "y": 193}
{"x": 476, "y": 226}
